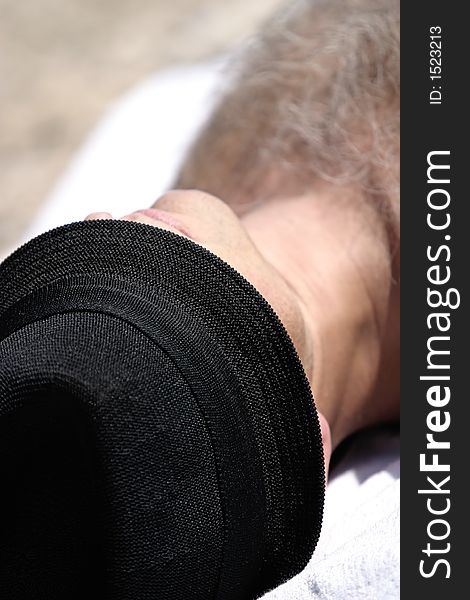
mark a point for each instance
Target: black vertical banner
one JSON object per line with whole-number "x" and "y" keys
{"x": 435, "y": 253}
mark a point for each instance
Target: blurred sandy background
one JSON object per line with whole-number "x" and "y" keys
{"x": 63, "y": 61}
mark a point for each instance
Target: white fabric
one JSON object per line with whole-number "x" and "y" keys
{"x": 133, "y": 155}
{"x": 357, "y": 557}
{"x": 126, "y": 164}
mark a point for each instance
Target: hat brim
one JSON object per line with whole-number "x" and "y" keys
{"x": 101, "y": 264}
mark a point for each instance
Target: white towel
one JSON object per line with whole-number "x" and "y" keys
{"x": 357, "y": 556}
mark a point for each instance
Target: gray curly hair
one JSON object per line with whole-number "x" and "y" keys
{"x": 313, "y": 98}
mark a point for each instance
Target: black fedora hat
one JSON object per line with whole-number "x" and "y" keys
{"x": 158, "y": 436}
